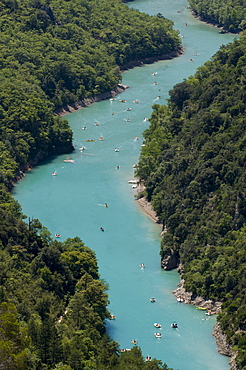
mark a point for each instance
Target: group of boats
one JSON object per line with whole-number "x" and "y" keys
{"x": 101, "y": 137}
{"x": 208, "y": 312}
{"x": 158, "y": 326}
{"x": 174, "y": 325}
{"x": 158, "y": 334}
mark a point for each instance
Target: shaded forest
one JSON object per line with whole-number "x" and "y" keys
{"x": 229, "y": 14}
{"x": 193, "y": 168}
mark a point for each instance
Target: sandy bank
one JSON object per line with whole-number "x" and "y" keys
{"x": 146, "y": 206}
{"x": 148, "y": 210}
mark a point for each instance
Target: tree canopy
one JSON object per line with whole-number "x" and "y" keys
{"x": 58, "y": 52}
{"x": 193, "y": 168}
{"x": 53, "y": 304}
{"x": 231, "y": 15}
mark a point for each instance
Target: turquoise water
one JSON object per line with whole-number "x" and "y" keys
{"x": 72, "y": 204}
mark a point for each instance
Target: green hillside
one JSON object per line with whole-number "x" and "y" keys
{"x": 193, "y": 167}
{"x": 229, "y": 14}
{"x": 59, "y": 52}
{"x": 53, "y": 304}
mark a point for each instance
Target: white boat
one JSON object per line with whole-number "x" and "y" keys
{"x": 68, "y": 160}
{"x": 158, "y": 335}
{"x": 132, "y": 182}
{"x": 157, "y": 325}
{"x": 134, "y": 186}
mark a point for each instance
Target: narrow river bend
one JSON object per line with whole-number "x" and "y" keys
{"x": 72, "y": 203}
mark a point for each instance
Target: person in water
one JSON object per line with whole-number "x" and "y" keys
{"x": 101, "y": 228}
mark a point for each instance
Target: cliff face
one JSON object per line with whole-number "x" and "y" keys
{"x": 223, "y": 346}
{"x": 170, "y": 262}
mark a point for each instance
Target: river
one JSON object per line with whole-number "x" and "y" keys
{"x": 72, "y": 203}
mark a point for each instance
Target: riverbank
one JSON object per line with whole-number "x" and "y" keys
{"x": 87, "y": 101}
{"x": 120, "y": 87}
{"x": 221, "y": 29}
{"x": 151, "y": 60}
{"x": 182, "y": 295}
{"x": 211, "y": 308}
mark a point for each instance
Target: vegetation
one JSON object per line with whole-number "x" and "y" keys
{"x": 229, "y": 14}
{"x": 53, "y": 304}
{"x": 57, "y": 52}
{"x": 73, "y": 50}
{"x": 193, "y": 167}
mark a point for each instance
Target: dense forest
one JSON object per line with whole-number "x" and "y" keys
{"x": 229, "y": 14}
{"x": 53, "y": 303}
{"x": 193, "y": 168}
{"x": 56, "y": 53}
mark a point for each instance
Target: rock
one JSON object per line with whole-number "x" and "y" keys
{"x": 194, "y": 299}
{"x": 223, "y": 346}
{"x": 170, "y": 262}
{"x": 233, "y": 361}
{"x": 87, "y": 101}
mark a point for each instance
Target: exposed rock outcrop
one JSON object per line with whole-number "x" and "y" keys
{"x": 150, "y": 60}
{"x": 233, "y": 361}
{"x": 223, "y": 346}
{"x": 170, "y": 262}
{"x": 194, "y": 299}
{"x": 85, "y": 102}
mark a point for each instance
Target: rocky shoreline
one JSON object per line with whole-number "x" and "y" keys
{"x": 212, "y": 307}
{"x": 151, "y": 60}
{"x": 87, "y": 101}
{"x": 120, "y": 87}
